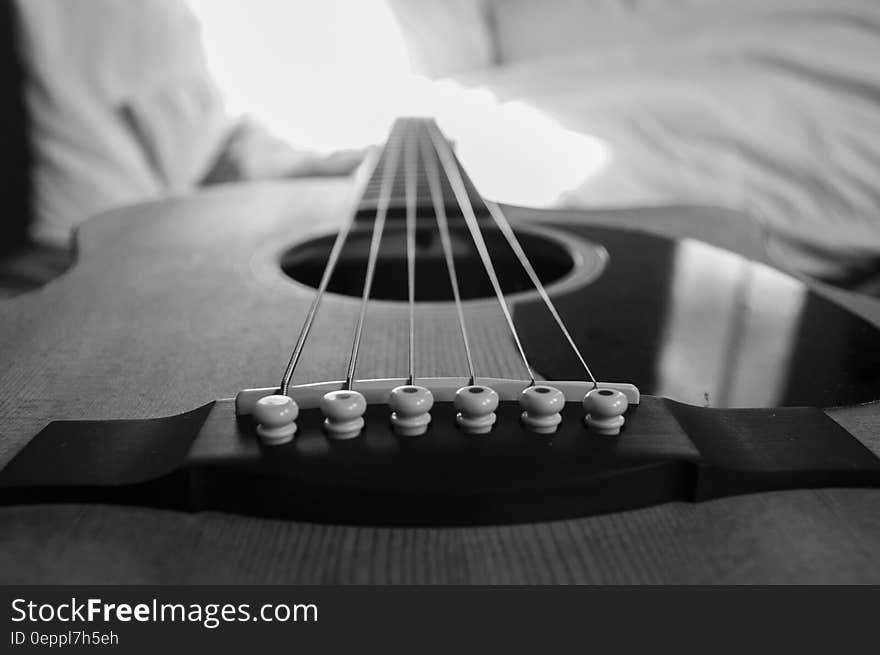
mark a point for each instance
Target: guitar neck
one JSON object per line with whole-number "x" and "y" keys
{"x": 410, "y": 133}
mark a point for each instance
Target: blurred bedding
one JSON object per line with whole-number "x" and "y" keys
{"x": 769, "y": 106}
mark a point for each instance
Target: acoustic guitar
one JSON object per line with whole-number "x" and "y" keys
{"x": 390, "y": 379}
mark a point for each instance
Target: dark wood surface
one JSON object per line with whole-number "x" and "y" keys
{"x": 109, "y": 340}
{"x": 211, "y": 459}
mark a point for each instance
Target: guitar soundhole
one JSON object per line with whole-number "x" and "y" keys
{"x": 554, "y": 261}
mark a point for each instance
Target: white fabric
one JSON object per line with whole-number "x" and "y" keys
{"x": 772, "y": 107}
{"x": 444, "y": 37}
{"x": 122, "y": 105}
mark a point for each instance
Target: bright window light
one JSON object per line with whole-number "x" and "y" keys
{"x": 334, "y": 74}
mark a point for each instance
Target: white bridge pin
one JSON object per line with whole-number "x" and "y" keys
{"x": 275, "y": 416}
{"x": 410, "y": 409}
{"x": 476, "y": 405}
{"x": 541, "y": 406}
{"x": 343, "y": 413}
{"x": 604, "y": 410}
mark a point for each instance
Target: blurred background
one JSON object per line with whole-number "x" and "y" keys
{"x": 771, "y": 107}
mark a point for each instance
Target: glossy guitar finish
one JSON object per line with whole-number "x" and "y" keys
{"x": 108, "y": 340}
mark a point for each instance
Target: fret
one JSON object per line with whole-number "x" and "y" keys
{"x": 404, "y": 129}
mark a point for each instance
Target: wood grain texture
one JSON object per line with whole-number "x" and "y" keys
{"x": 174, "y": 304}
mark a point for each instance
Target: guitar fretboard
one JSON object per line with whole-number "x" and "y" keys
{"x": 409, "y": 131}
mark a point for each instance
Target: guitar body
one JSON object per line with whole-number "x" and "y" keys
{"x": 176, "y": 304}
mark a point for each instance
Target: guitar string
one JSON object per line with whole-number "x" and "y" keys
{"x": 436, "y": 191}
{"x": 504, "y": 225}
{"x": 410, "y": 149}
{"x": 447, "y": 160}
{"x": 410, "y": 171}
{"x": 389, "y": 170}
{"x": 329, "y": 269}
